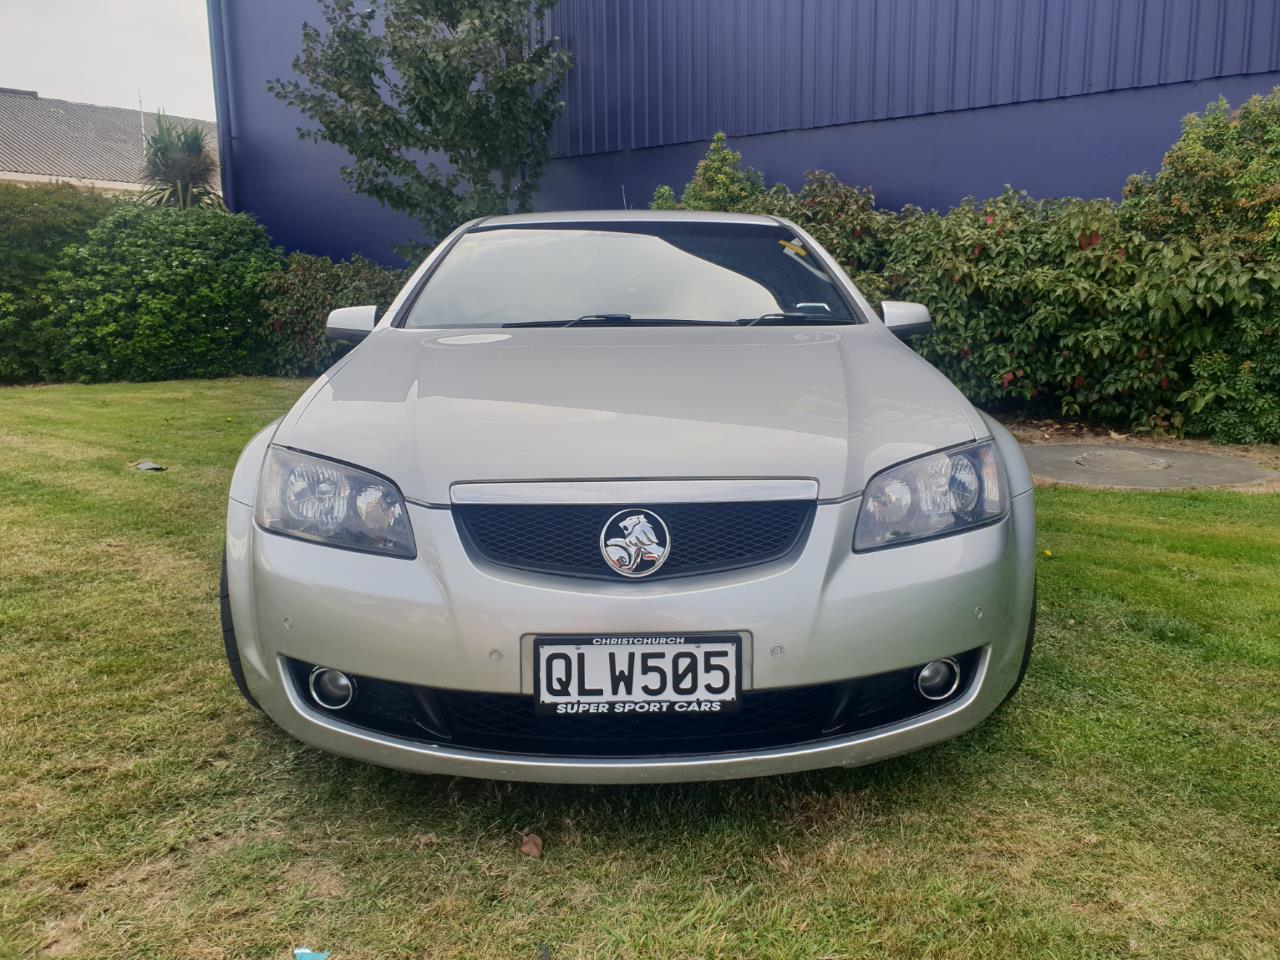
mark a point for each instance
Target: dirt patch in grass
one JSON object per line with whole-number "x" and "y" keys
{"x": 62, "y": 937}
{"x": 313, "y": 878}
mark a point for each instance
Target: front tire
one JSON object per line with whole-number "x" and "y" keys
{"x": 229, "y": 637}
{"x": 1026, "y": 652}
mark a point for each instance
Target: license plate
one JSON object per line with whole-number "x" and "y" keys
{"x": 638, "y": 675}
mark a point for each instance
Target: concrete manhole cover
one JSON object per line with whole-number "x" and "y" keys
{"x": 1122, "y": 460}
{"x": 1102, "y": 465}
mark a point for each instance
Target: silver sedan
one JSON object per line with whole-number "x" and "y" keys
{"x": 629, "y": 497}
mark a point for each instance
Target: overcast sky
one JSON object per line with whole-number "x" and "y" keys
{"x": 106, "y": 51}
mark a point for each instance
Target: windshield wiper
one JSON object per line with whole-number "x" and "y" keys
{"x": 613, "y": 320}
{"x": 780, "y": 319}
{"x": 593, "y": 319}
{"x": 600, "y": 319}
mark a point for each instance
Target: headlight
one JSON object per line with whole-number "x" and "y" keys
{"x": 316, "y": 499}
{"x": 936, "y": 495}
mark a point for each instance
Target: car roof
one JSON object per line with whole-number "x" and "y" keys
{"x": 626, "y": 216}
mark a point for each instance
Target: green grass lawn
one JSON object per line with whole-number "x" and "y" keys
{"x": 1126, "y": 804}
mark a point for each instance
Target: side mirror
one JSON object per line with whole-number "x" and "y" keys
{"x": 350, "y": 324}
{"x": 906, "y": 320}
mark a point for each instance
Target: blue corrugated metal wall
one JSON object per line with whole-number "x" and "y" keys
{"x": 924, "y": 100}
{"x": 657, "y": 72}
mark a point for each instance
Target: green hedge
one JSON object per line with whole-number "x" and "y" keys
{"x": 1219, "y": 189}
{"x": 157, "y": 293}
{"x": 95, "y": 289}
{"x": 36, "y": 223}
{"x": 297, "y": 299}
{"x": 1159, "y": 313}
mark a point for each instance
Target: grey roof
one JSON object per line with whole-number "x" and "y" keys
{"x": 61, "y": 138}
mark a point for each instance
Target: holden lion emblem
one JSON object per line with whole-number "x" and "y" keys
{"x": 635, "y": 543}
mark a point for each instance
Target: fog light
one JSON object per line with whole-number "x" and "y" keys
{"x": 332, "y": 689}
{"x": 938, "y": 679}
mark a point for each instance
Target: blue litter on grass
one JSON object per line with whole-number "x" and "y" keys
{"x": 302, "y": 953}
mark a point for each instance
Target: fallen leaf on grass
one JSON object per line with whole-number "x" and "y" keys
{"x": 424, "y": 840}
{"x": 531, "y": 846}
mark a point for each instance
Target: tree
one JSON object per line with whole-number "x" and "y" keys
{"x": 1220, "y": 181}
{"x": 445, "y": 106}
{"x": 720, "y": 182}
{"x": 179, "y": 169}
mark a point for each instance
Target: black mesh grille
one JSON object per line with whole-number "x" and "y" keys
{"x": 565, "y": 540}
{"x": 508, "y": 723}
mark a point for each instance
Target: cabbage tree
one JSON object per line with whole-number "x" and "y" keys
{"x": 180, "y": 170}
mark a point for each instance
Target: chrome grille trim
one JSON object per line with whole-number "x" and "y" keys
{"x": 595, "y": 492}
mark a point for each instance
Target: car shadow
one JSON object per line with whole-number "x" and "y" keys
{"x": 773, "y": 809}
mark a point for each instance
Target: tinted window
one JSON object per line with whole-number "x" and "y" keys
{"x": 650, "y": 271}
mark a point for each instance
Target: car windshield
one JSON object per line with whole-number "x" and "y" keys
{"x": 544, "y": 274}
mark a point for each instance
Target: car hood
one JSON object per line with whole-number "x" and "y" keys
{"x": 429, "y": 408}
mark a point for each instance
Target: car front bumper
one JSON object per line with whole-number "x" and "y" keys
{"x": 449, "y": 622}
